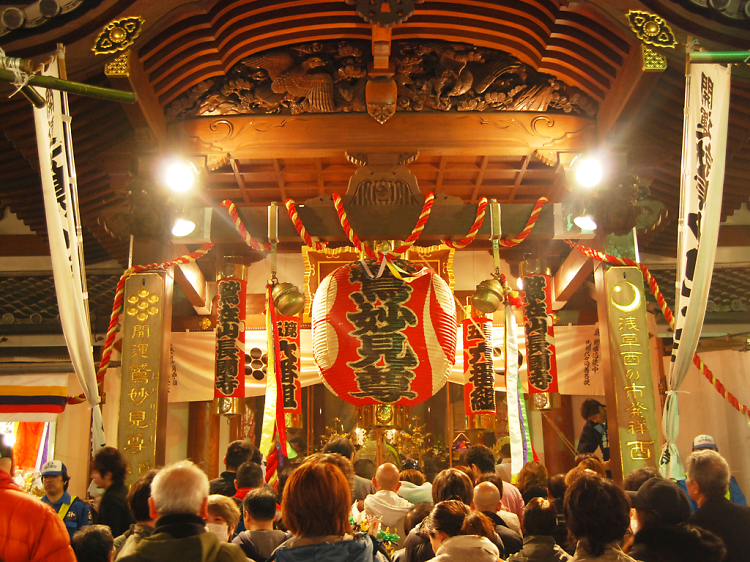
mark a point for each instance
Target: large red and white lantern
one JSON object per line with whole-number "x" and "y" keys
{"x": 384, "y": 340}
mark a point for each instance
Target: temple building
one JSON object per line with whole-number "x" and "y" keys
{"x": 423, "y": 224}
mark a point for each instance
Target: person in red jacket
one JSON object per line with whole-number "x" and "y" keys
{"x": 29, "y": 530}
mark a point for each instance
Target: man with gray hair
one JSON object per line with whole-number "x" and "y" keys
{"x": 178, "y": 504}
{"x": 707, "y": 482}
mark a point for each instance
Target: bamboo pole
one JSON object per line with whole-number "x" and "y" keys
{"x": 719, "y": 56}
{"x": 74, "y": 87}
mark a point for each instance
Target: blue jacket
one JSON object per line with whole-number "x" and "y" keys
{"x": 359, "y": 549}
{"x": 734, "y": 495}
{"x": 77, "y": 517}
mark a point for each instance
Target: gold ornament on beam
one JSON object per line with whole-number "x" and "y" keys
{"x": 651, "y": 29}
{"x": 653, "y": 61}
{"x": 118, "y": 35}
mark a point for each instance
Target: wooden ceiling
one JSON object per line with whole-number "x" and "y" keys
{"x": 586, "y": 45}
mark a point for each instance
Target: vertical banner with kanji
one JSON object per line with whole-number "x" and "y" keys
{"x": 479, "y": 375}
{"x": 141, "y": 358}
{"x": 229, "y": 379}
{"x": 290, "y": 356}
{"x": 631, "y": 365}
{"x": 540, "y": 334}
{"x": 704, "y": 147}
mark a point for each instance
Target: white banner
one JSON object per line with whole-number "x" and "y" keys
{"x": 578, "y": 362}
{"x": 63, "y": 227}
{"x": 701, "y": 185}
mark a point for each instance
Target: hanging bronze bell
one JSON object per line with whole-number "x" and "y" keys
{"x": 288, "y": 299}
{"x": 488, "y": 296}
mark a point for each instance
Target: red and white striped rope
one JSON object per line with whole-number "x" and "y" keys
{"x": 661, "y": 301}
{"x": 117, "y": 309}
{"x": 291, "y": 208}
{"x": 541, "y": 202}
{"x": 460, "y": 244}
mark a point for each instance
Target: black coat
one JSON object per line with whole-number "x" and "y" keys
{"x": 730, "y": 522}
{"x": 512, "y": 541}
{"x": 223, "y": 485}
{"x": 675, "y": 543}
{"x": 591, "y": 440}
{"x": 114, "y": 511}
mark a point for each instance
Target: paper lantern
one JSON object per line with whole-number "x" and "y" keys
{"x": 384, "y": 340}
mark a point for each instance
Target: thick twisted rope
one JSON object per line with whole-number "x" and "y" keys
{"x": 353, "y": 238}
{"x": 460, "y": 244}
{"x": 249, "y": 240}
{"x": 533, "y": 217}
{"x": 661, "y": 301}
{"x": 117, "y": 309}
{"x": 291, "y": 208}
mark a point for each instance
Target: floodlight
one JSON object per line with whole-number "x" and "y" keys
{"x": 182, "y": 227}
{"x": 180, "y": 175}
{"x": 585, "y": 222}
{"x": 588, "y": 170}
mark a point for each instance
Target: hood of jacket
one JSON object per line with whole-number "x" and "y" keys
{"x": 360, "y": 549}
{"x": 537, "y": 548}
{"x": 673, "y": 542}
{"x": 388, "y": 505}
{"x": 415, "y": 494}
{"x": 467, "y": 547}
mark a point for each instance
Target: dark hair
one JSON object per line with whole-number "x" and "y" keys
{"x": 364, "y": 468}
{"x": 411, "y": 475}
{"x": 539, "y": 517}
{"x": 598, "y": 510}
{"x": 239, "y": 452}
{"x": 494, "y": 479}
{"x": 284, "y": 475}
{"x": 93, "y": 543}
{"x": 556, "y": 486}
{"x": 339, "y": 461}
{"x": 317, "y": 501}
{"x": 453, "y": 517}
{"x": 635, "y": 479}
{"x": 65, "y": 479}
{"x": 590, "y": 407}
{"x": 505, "y": 450}
{"x": 138, "y": 496}
{"x": 452, "y": 484}
{"x": 110, "y": 461}
{"x": 533, "y": 474}
{"x": 416, "y": 515}
{"x": 249, "y": 475}
{"x": 341, "y": 445}
{"x": 466, "y": 470}
{"x": 260, "y": 504}
{"x": 482, "y": 457}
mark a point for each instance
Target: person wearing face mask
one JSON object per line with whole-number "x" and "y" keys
{"x": 179, "y": 505}
{"x": 594, "y": 434}
{"x": 223, "y": 516}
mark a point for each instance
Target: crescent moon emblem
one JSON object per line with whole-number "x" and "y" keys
{"x": 632, "y": 305}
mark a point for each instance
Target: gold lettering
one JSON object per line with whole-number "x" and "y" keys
{"x": 635, "y": 389}
{"x": 629, "y": 323}
{"x": 135, "y": 443}
{"x": 635, "y": 409}
{"x": 137, "y": 419}
{"x": 141, "y": 331}
{"x": 639, "y": 450}
{"x": 140, "y": 350}
{"x": 631, "y": 358}
{"x": 139, "y": 395}
{"x": 630, "y": 341}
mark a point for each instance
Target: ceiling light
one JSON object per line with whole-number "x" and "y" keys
{"x": 519, "y": 283}
{"x": 9, "y": 439}
{"x": 182, "y": 227}
{"x": 588, "y": 170}
{"x": 180, "y": 175}
{"x": 585, "y": 222}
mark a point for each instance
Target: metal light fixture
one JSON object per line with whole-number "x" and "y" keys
{"x": 182, "y": 227}
{"x": 587, "y": 170}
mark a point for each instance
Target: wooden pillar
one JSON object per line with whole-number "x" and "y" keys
{"x": 203, "y": 437}
{"x": 557, "y": 455}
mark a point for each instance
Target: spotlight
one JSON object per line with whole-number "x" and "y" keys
{"x": 519, "y": 283}
{"x": 587, "y": 170}
{"x": 180, "y": 175}
{"x": 585, "y": 222}
{"x": 9, "y": 439}
{"x": 182, "y": 227}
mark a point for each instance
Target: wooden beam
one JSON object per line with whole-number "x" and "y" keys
{"x": 519, "y": 177}
{"x": 627, "y": 95}
{"x": 190, "y": 279}
{"x": 316, "y": 136}
{"x": 12, "y": 245}
{"x": 734, "y": 235}
{"x": 239, "y": 179}
{"x": 572, "y": 273}
{"x": 480, "y": 179}
{"x": 147, "y": 112}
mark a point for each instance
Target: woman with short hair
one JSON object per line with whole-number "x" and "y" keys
{"x": 315, "y": 508}
{"x": 458, "y": 533}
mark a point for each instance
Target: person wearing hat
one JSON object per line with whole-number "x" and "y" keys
{"x": 29, "y": 530}
{"x": 72, "y": 510}
{"x": 734, "y": 493}
{"x": 661, "y": 532}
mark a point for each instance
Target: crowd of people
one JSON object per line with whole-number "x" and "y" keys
{"x": 322, "y": 510}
